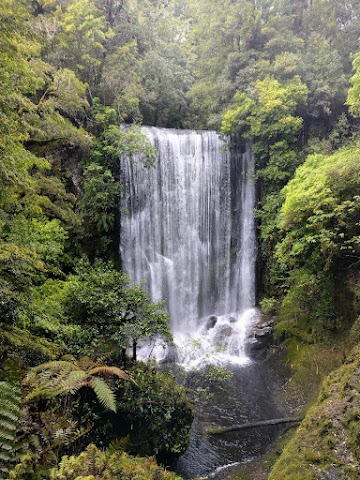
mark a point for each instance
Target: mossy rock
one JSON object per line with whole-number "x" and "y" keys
{"x": 327, "y": 443}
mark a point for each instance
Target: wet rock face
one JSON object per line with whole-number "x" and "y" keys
{"x": 211, "y": 322}
{"x": 172, "y": 356}
{"x": 224, "y": 331}
{"x": 259, "y": 340}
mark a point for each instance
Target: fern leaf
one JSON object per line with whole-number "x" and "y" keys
{"x": 5, "y": 456}
{"x": 6, "y": 435}
{"x": 73, "y": 379}
{"x": 71, "y": 383}
{"x": 53, "y": 366}
{"x": 6, "y": 424}
{"x": 10, "y": 408}
{"x": 104, "y": 393}
{"x": 104, "y": 370}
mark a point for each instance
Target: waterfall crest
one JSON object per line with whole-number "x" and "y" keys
{"x": 189, "y": 234}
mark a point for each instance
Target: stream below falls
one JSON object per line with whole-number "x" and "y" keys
{"x": 250, "y": 395}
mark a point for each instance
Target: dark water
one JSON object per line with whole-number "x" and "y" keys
{"x": 249, "y": 396}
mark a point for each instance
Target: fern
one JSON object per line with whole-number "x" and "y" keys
{"x": 104, "y": 370}
{"x": 10, "y": 408}
{"x": 69, "y": 375}
{"x": 104, "y": 393}
{"x": 73, "y": 381}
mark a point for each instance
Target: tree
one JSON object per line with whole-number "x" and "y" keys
{"x": 267, "y": 118}
{"x": 83, "y": 37}
{"x": 113, "y": 310}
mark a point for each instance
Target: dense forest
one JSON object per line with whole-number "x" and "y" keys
{"x": 282, "y": 74}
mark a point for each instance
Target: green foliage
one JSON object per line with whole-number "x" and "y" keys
{"x": 158, "y": 414}
{"x": 267, "y": 115}
{"x": 101, "y": 195}
{"x": 94, "y": 464}
{"x": 321, "y": 208}
{"x": 205, "y": 383}
{"x": 99, "y": 206}
{"x": 114, "y": 143}
{"x": 268, "y": 305}
{"x": 319, "y": 222}
{"x": 82, "y": 38}
{"x": 20, "y": 343}
{"x": 232, "y": 45}
{"x": 353, "y": 99}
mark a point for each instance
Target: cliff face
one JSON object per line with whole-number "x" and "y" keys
{"x": 327, "y": 443}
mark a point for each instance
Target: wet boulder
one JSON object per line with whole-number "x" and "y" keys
{"x": 211, "y": 322}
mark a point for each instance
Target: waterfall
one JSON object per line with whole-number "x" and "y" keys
{"x": 188, "y": 232}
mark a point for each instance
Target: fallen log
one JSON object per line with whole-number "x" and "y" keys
{"x": 246, "y": 426}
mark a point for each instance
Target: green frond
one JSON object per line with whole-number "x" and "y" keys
{"x": 53, "y": 366}
{"x": 104, "y": 393}
{"x": 10, "y": 409}
{"x": 50, "y": 379}
{"x": 73, "y": 381}
{"x": 6, "y": 445}
{"x": 6, "y": 435}
{"x": 6, "y": 424}
{"x": 5, "y": 457}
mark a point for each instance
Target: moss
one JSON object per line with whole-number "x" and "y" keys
{"x": 328, "y": 439}
{"x": 309, "y": 365}
{"x": 355, "y": 332}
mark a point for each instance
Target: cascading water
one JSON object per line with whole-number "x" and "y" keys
{"x": 189, "y": 234}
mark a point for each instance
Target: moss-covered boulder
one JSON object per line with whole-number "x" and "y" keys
{"x": 327, "y": 443}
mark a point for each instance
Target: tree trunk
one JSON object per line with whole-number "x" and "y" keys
{"x": 264, "y": 423}
{"x": 134, "y": 350}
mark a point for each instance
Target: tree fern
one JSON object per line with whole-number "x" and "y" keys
{"x": 10, "y": 408}
{"x": 68, "y": 375}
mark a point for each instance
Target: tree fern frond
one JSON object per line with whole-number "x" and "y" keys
{"x": 10, "y": 408}
{"x": 61, "y": 377}
{"x": 74, "y": 378}
{"x": 43, "y": 391}
{"x": 70, "y": 382}
{"x": 6, "y": 424}
{"x": 5, "y": 457}
{"x": 103, "y": 393}
{"x": 6, "y": 445}
{"x": 53, "y": 366}
{"x": 104, "y": 370}
{"x": 6, "y": 435}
